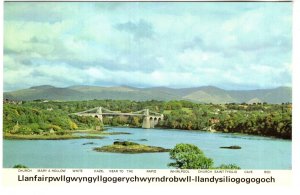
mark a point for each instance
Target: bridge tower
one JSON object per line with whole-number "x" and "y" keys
{"x": 146, "y": 120}
{"x": 99, "y": 114}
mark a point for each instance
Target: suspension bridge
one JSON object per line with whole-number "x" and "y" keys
{"x": 150, "y": 118}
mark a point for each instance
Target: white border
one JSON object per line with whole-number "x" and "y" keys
{"x": 195, "y": 189}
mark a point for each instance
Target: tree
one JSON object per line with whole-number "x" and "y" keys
{"x": 189, "y": 156}
{"x": 135, "y": 121}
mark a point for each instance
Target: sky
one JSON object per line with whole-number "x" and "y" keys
{"x": 245, "y": 45}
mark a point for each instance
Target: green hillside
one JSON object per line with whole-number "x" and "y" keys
{"x": 206, "y": 94}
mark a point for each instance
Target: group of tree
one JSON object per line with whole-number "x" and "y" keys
{"x": 189, "y": 156}
{"x": 275, "y": 124}
{"x": 258, "y": 118}
{"x": 29, "y": 120}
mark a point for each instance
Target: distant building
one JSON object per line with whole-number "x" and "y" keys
{"x": 214, "y": 120}
{"x": 8, "y": 101}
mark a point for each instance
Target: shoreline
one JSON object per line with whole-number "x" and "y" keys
{"x": 199, "y": 130}
{"x": 70, "y": 134}
{"x": 51, "y": 137}
{"x": 94, "y": 134}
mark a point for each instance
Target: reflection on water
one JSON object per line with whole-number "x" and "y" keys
{"x": 250, "y": 137}
{"x": 256, "y": 153}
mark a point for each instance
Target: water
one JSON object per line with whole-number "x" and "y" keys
{"x": 256, "y": 153}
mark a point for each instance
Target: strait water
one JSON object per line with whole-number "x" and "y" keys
{"x": 256, "y": 153}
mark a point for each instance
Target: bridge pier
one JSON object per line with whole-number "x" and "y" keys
{"x": 146, "y": 123}
{"x": 155, "y": 121}
{"x": 152, "y": 122}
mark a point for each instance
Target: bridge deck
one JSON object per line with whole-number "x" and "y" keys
{"x": 115, "y": 114}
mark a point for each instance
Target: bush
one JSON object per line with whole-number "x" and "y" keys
{"x": 125, "y": 143}
{"x": 188, "y": 156}
{"x": 229, "y": 166}
{"x": 20, "y": 166}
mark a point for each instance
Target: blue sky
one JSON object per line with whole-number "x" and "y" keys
{"x": 228, "y": 45}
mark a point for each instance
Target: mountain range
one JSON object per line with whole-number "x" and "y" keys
{"x": 204, "y": 94}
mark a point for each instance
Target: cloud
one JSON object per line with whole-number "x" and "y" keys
{"x": 140, "y": 29}
{"x": 39, "y": 12}
{"x": 230, "y": 45}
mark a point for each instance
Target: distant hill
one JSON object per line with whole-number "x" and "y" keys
{"x": 205, "y": 94}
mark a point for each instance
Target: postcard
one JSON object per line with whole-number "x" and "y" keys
{"x": 148, "y": 92}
